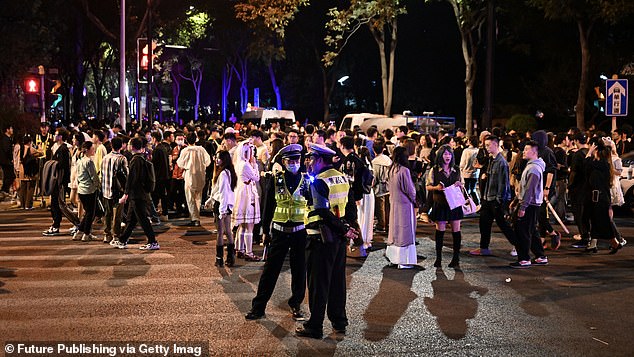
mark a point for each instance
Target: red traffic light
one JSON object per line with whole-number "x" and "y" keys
{"x": 32, "y": 85}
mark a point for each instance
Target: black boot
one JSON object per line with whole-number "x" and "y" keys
{"x": 457, "y": 240}
{"x": 219, "y": 253}
{"x": 231, "y": 255}
{"x": 439, "y": 238}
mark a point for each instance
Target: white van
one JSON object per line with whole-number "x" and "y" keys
{"x": 352, "y": 120}
{"x": 267, "y": 116}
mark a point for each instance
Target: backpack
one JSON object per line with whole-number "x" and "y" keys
{"x": 49, "y": 177}
{"x": 119, "y": 180}
{"x": 30, "y": 164}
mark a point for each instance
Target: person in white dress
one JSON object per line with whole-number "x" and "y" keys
{"x": 246, "y": 212}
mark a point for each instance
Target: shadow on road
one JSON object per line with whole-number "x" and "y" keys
{"x": 6, "y": 273}
{"x": 390, "y": 303}
{"x": 453, "y": 303}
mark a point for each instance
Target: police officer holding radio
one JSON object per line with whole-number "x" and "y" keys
{"x": 287, "y": 232}
{"x": 331, "y": 208}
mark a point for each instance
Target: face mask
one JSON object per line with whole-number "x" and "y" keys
{"x": 180, "y": 142}
{"x": 294, "y": 168}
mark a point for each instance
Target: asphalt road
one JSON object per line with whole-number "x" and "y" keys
{"x": 56, "y": 290}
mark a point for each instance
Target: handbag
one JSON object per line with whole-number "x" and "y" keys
{"x": 454, "y": 196}
{"x": 469, "y": 207}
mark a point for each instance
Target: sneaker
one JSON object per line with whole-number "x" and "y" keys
{"x": 481, "y": 252}
{"x": 514, "y": 252}
{"x": 114, "y": 242}
{"x": 73, "y": 230}
{"x": 555, "y": 241}
{"x": 156, "y": 222}
{"x": 581, "y": 244}
{"x": 522, "y": 264}
{"x": 576, "y": 237}
{"x": 78, "y": 235}
{"x": 540, "y": 261}
{"x": 107, "y": 238}
{"x": 120, "y": 245}
{"x": 150, "y": 246}
{"x": 88, "y": 238}
{"x": 52, "y": 231}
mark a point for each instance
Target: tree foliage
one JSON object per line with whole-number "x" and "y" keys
{"x": 274, "y": 14}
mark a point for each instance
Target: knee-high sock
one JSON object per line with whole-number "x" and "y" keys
{"x": 439, "y": 238}
{"x": 240, "y": 239}
{"x": 457, "y": 241}
{"x": 248, "y": 240}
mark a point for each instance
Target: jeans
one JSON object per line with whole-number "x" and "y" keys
{"x": 89, "y": 202}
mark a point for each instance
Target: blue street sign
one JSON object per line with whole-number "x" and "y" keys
{"x": 616, "y": 100}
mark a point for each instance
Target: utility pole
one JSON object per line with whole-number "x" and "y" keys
{"x": 487, "y": 115}
{"x": 148, "y": 104}
{"x": 122, "y": 92}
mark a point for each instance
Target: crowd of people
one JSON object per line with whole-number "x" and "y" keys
{"x": 321, "y": 193}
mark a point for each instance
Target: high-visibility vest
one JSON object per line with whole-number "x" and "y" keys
{"x": 338, "y": 188}
{"x": 289, "y": 207}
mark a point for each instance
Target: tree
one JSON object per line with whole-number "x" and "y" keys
{"x": 380, "y": 16}
{"x": 268, "y": 48}
{"x": 586, "y": 14}
{"x": 470, "y": 17}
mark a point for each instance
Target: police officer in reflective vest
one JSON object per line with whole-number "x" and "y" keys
{"x": 284, "y": 218}
{"x": 329, "y": 212}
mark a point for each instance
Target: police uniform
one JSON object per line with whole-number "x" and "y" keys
{"x": 284, "y": 217}
{"x": 326, "y": 250}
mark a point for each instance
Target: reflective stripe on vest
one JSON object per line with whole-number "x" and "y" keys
{"x": 289, "y": 208}
{"x": 338, "y": 188}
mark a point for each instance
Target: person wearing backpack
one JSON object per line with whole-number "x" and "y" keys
{"x": 60, "y": 178}
{"x": 28, "y": 173}
{"x": 114, "y": 173}
{"x": 140, "y": 185}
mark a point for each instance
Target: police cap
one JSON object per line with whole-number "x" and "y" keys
{"x": 290, "y": 151}
{"x": 321, "y": 150}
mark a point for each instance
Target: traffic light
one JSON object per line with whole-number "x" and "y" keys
{"x": 32, "y": 85}
{"x": 143, "y": 59}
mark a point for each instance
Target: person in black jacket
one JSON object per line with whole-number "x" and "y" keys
{"x": 550, "y": 178}
{"x": 160, "y": 160}
{"x": 58, "y": 201}
{"x": 6, "y": 159}
{"x": 140, "y": 184}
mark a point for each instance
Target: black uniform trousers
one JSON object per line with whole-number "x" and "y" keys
{"x": 280, "y": 245}
{"x": 326, "y": 268}
{"x": 137, "y": 212}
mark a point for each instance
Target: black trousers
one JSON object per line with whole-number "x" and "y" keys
{"x": 280, "y": 245}
{"x": 8, "y": 176}
{"x": 490, "y": 211}
{"x": 89, "y": 202}
{"x": 137, "y": 213}
{"x": 59, "y": 208}
{"x": 177, "y": 195}
{"x": 326, "y": 267}
{"x": 527, "y": 234}
{"x": 582, "y": 218}
{"x": 160, "y": 193}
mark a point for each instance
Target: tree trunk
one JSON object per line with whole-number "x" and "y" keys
{"x": 226, "y": 87}
{"x": 380, "y": 41}
{"x": 176, "y": 90}
{"x": 390, "y": 83}
{"x": 276, "y": 89}
{"x": 584, "y": 37}
{"x": 159, "y": 97}
{"x": 197, "y": 79}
